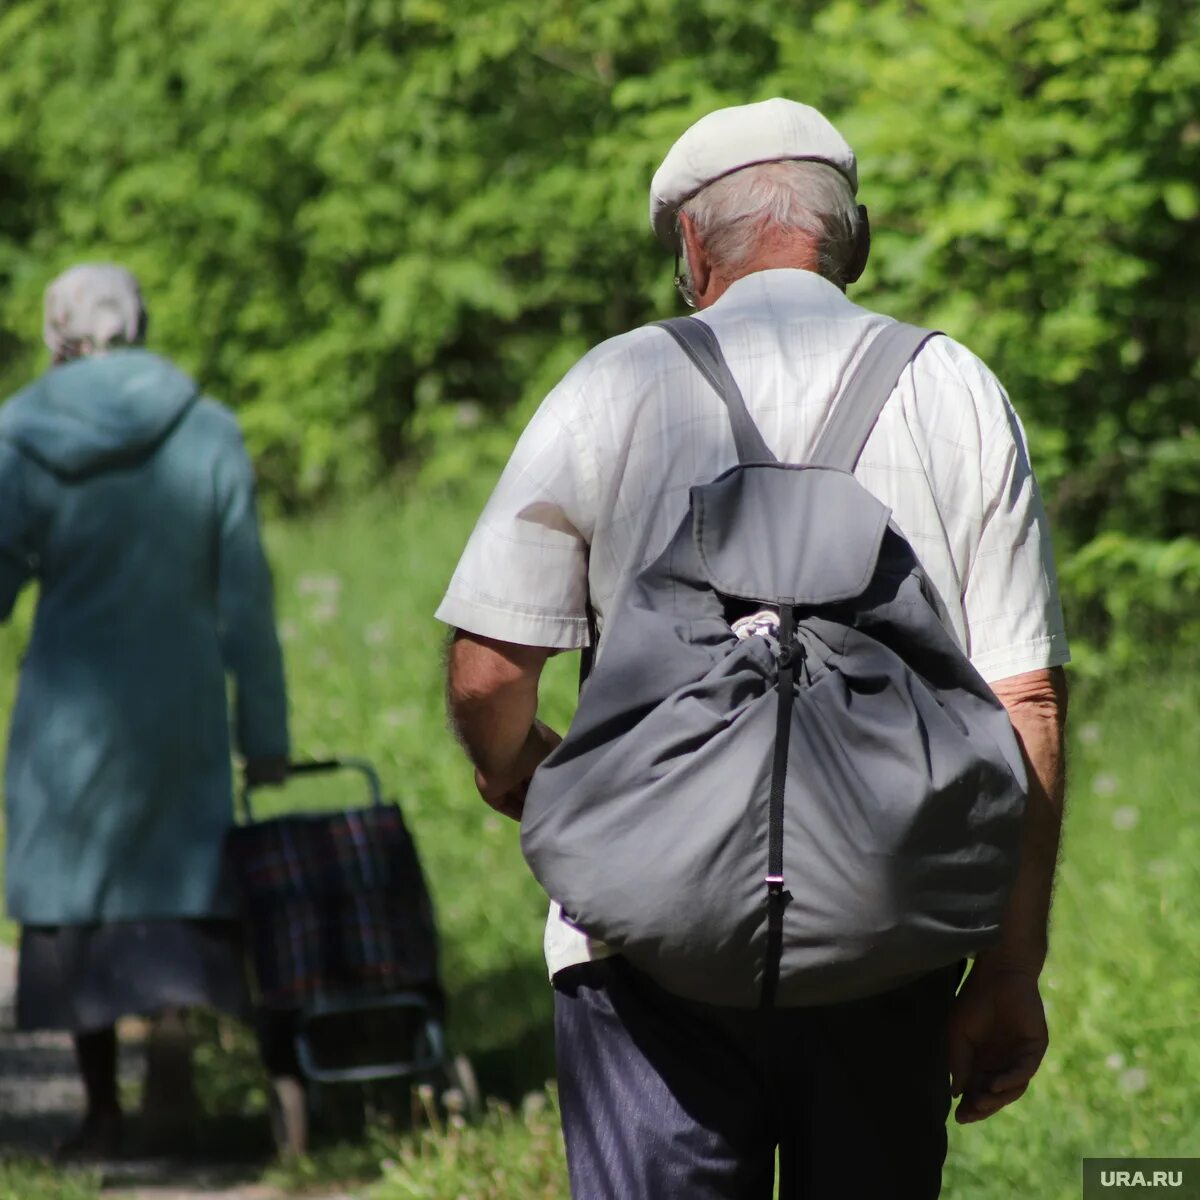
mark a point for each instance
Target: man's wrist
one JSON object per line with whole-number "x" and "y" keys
{"x": 494, "y": 778}
{"x": 1013, "y": 960}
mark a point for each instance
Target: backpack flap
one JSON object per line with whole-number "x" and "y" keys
{"x": 775, "y": 533}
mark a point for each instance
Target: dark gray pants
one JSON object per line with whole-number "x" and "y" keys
{"x": 663, "y": 1098}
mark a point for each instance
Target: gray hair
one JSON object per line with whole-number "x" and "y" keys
{"x": 90, "y": 308}
{"x": 732, "y": 213}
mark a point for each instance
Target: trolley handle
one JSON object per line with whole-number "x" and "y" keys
{"x": 322, "y": 766}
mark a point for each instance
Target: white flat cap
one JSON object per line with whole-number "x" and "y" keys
{"x": 732, "y": 138}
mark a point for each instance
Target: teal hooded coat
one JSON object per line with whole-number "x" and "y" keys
{"x": 129, "y": 498}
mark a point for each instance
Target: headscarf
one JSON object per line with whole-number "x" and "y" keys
{"x": 91, "y": 307}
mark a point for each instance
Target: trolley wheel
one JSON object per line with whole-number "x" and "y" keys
{"x": 289, "y": 1116}
{"x": 460, "y": 1077}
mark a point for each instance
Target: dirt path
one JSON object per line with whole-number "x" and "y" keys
{"x": 41, "y": 1099}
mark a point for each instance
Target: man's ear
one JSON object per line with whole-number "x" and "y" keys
{"x": 698, "y": 265}
{"x": 862, "y": 247}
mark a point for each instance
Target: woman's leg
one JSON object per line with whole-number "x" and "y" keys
{"x": 169, "y": 1104}
{"x": 100, "y": 1134}
{"x": 97, "y": 1056}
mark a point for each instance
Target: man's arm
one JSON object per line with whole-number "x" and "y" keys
{"x": 492, "y": 697}
{"x": 1037, "y": 706}
{"x": 998, "y": 1031}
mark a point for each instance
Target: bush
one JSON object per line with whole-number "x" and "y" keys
{"x": 374, "y": 226}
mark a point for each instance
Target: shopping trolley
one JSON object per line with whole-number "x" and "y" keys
{"x": 343, "y": 950}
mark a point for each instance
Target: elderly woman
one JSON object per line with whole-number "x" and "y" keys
{"x": 129, "y": 498}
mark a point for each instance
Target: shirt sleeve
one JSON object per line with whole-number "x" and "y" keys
{"x": 1011, "y": 604}
{"x": 523, "y": 575}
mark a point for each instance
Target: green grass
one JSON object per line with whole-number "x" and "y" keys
{"x": 509, "y": 1153}
{"x": 356, "y": 594}
{"x": 356, "y": 590}
{"x": 1123, "y": 1073}
{"x": 30, "y": 1179}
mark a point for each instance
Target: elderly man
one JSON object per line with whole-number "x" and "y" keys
{"x": 662, "y": 1096}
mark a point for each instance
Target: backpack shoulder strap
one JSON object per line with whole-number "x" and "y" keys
{"x": 861, "y": 400}
{"x": 700, "y": 344}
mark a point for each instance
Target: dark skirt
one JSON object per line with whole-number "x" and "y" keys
{"x": 86, "y": 977}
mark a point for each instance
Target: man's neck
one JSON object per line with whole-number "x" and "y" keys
{"x": 798, "y": 254}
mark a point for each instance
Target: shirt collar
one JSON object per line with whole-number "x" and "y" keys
{"x": 788, "y": 286}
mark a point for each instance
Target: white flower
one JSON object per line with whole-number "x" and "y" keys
{"x": 1115, "y": 1062}
{"x": 288, "y": 630}
{"x": 1125, "y": 817}
{"x": 1104, "y": 785}
{"x": 1089, "y": 734}
{"x": 324, "y": 611}
{"x": 377, "y": 633}
{"x": 1135, "y": 1080}
{"x": 326, "y": 586}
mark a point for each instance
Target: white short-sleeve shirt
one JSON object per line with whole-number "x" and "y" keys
{"x": 599, "y": 481}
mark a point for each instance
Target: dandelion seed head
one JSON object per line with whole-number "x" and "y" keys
{"x": 319, "y": 585}
{"x": 1135, "y": 1080}
{"x": 1125, "y": 817}
{"x": 377, "y": 633}
{"x": 393, "y": 718}
{"x": 324, "y": 611}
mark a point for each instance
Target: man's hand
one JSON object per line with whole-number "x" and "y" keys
{"x": 998, "y": 1038}
{"x": 262, "y": 771}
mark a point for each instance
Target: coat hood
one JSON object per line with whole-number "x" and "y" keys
{"x": 97, "y": 413}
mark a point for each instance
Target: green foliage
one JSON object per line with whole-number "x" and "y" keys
{"x": 1035, "y": 169}
{"x": 371, "y": 225}
{"x": 1145, "y": 594}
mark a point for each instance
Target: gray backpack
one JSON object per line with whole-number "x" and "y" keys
{"x": 817, "y": 806}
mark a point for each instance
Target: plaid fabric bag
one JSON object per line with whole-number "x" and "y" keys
{"x": 333, "y": 904}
